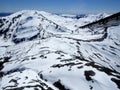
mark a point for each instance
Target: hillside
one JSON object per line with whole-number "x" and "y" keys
{"x": 44, "y": 51}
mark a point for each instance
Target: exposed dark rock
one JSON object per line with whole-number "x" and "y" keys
{"x": 103, "y": 69}
{"x": 79, "y": 67}
{"x": 1, "y": 65}
{"x": 88, "y": 74}
{"x": 59, "y": 58}
{"x": 33, "y": 37}
{"x": 117, "y": 81}
{"x": 14, "y": 81}
{"x": 91, "y": 87}
{"x": 33, "y": 58}
{"x": 15, "y": 70}
{"x": 5, "y": 59}
{"x": 41, "y": 76}
{"x": 29, "y": 86}
{"x": 43, "y": 56}
{"x": 36, "y": 89}
{"x": 67, "y": 64}
{"x": 59, "y": 85}
{"x": 16, "y": 17}
{"x": 1, "y": 74}
{"x": 18, "y": 40}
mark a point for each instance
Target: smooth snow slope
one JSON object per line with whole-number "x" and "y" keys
{"x": 59, "y": 57}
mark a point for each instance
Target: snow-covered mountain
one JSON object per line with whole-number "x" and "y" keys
{"x": 27, "y": 25}
{"x": 44, "y": 51}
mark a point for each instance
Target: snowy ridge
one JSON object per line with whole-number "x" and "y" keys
{"x": 59, "y": 56}
{"x": 26, "y": 25}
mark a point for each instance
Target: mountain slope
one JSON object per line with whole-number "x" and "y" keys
{"x": 62, "y": 59}
{"x": 27, "y": 25}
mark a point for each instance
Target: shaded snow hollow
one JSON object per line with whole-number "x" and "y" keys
{"x": 44, "y": 51}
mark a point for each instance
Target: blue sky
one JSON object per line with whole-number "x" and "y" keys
{"x": 62, "y": 6}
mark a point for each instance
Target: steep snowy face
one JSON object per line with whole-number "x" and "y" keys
{"x": 59, "y": 58}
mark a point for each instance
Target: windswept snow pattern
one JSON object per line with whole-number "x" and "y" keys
{"x": 44, "y": 51}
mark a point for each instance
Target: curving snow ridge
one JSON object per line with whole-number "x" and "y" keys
{"x": 28, "y": 25}
{"x": 53, "y": 57}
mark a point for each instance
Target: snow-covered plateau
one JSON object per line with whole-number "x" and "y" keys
{"x": 44, "y": 51}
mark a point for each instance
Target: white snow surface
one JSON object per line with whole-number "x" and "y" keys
{"x": 61, "y": 52}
